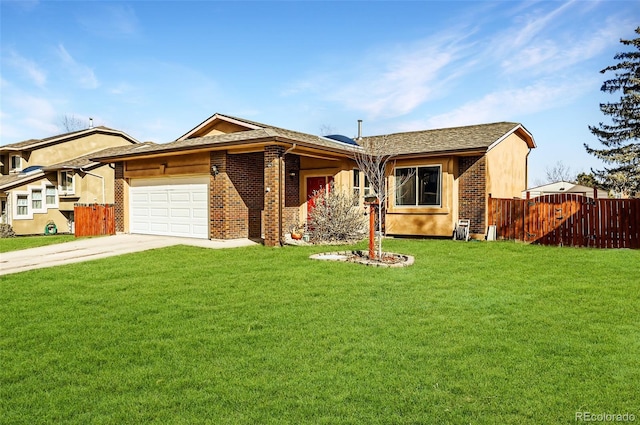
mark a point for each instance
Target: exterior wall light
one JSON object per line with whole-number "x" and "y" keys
{"x": 214, "y": 170}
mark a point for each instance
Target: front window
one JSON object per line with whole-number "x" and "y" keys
{"x": 418, "y": 186}
{"x": 50, "y": 192}
{"x": 22, "y": 204}
{"x": 66, "y": 181}
{"x": 36, "y": 199}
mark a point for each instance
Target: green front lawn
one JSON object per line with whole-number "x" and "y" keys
{"x": 24, "y": 242}
{"x": 480, "y": 333}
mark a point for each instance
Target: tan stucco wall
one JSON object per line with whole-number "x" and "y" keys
{"x": 507, "y": 168}
{"x": 88, "y": 190}
{"x": 430, "y": 221}
{"x": 60, "y": 152}
{"x": 89, "y": 187}
{"x": 36, "y": 224}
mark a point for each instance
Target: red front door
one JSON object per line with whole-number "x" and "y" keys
{"x": 315, "y": 184}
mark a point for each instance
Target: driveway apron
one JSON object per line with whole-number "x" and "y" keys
{"x": 99, "y": 247}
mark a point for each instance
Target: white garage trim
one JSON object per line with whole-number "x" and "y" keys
{"x": 170, "y": 207}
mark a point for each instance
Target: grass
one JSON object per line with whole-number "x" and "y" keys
{"x": 479, "y": 333}
{"x": 24, "y": 242}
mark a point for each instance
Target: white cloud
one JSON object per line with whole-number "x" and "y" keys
{"x": 84, "y": 75}
{"x": 24, "y": 116}
{"x": 553, "y": 52}
{"x": 392, "y": 80}
{"x": 27, "y": 67}
{"x": 511, "y": 104}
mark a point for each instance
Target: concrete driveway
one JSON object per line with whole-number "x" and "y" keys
{"x": 100, "y": 247}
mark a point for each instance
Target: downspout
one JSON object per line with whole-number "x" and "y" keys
{"x": 100, "y": 177}
{"x": 281, "y": 188}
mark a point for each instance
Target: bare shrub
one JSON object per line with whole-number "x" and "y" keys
{"x": 6, "y": 231}
{"x": 334, "y": 218}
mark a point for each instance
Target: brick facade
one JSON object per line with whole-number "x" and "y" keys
{"x": 291, "y": 191}
{"x": 236, "y": 195}
{"x": 274, "y": 194}
{"x": 472, "y": 194}
{"x": 246, "y": 200}
{"x": 119, "y": 196}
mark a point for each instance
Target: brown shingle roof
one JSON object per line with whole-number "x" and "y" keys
{"x": 455, "y": 139}
{"x": 230, "y": 139}
{"x": 467, "y": 138}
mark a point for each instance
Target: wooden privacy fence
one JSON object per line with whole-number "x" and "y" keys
{"x": 568, "y": 219}
{"x": 94, "y": 219}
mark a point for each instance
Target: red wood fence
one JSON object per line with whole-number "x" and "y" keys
{"x": 94, "y": 219}
{"x": 568, "y": 219}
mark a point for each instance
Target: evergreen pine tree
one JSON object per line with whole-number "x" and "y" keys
{"x": 621, "y": 136}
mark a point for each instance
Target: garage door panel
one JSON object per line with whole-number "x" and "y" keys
{"x": 170, "y": 207}
{"x": 159, "y": 212}
{"x": 200, "y": 213}
{"x": 157, "y": 196}
{"x": 180, "y": 212}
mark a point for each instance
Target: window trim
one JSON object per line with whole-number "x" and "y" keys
{"x": 42, "y": 207}
{"x": 17, "y": 168}
{"x": 417, "y": 205}
{"x": 28, "y": 215}
{"x": 61, "y": 188}
{"x": 54, "y": 204}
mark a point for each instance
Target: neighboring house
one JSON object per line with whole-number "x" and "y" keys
{"x": 565, "y": 187}
{"x": 234, "y": 178}
{"x": 42, "y": 179}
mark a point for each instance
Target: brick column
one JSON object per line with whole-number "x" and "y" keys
{"x": 472, "y": 190}
{"x": 274, "y": 195}
{"x": 119, "y": 196}
{"x": 218, "y": 192}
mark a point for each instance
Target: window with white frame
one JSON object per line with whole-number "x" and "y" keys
{"x": 36, "y": 199}
{"x": 50, "y": 193}
{"x": 22, "y": 205}
{"x": 16, "y": 163}
{"x": 66, "y": 182}
{"x": 418, "y": 186}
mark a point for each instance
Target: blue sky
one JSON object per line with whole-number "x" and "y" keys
{"x": 156, "y": 69}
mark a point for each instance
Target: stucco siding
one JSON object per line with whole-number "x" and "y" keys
{"x": 60, "y": 152}
{"x": 507, "y": 168}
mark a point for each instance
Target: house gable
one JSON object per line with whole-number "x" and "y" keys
{"x": 220, "y": 124}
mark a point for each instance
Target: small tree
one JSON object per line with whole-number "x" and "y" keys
{"x": 620, "y": 137}
{"x": 334, "y": 218}
{"x": 70, "y": 123}
{"x": 559, "y": 172}
{"x": 374, "y": 160}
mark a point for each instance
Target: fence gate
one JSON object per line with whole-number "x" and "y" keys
{"x": 568, "y": 219}
{"x": 94, "y": 219}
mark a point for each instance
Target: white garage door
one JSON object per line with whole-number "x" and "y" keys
{"x": 172, "y": 207}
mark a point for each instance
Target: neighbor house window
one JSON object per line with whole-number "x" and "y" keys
{"x": 22, "y": 205}
{"x": 50, "y": 193}
{"x": 66, "y": 181}
{"x": 36, "y": 199}
{"x": 16, "y": 162}
{"x": 418, "y": 186}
